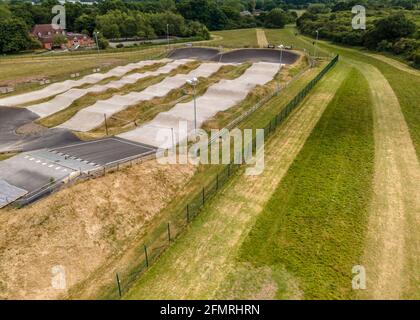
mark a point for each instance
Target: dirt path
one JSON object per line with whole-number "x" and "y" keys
{"x": 199, "y": 262}
{"x": 261, "y": 38}
{"x": 392, "y": 253}
{"x": 395, "y": 63}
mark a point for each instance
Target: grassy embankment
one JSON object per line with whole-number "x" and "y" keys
{"x": 404, "y": 84}
{"x": 314, "y": 225}
{"x": 199, "y": 262}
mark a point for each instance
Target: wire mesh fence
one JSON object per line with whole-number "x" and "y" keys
{"x": 162, "y": 236}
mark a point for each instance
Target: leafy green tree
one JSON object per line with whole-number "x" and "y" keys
{"x": 85, "y": 22}
{"x": 14, "y": 36}
{"x": 59, "y": 40}
{"x": 276, "y": 18}
{"x": 390, "y": 28}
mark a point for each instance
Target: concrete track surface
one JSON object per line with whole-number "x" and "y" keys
{"x": 221, "y": 96}
{"x": 60, "y": 87}
{"x": 93, "y": 116}
{"x": 65, "y": 99}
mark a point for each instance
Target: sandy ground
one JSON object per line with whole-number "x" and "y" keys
{"x": 199, "y": 264}
{"x": 392, "y": 255}
{"x": 261, "y": 38}
{"x": 81, "y": 228}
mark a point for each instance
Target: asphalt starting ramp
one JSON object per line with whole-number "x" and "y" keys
{"x": 9, "y": 193}
{"x": 103, "y": 152}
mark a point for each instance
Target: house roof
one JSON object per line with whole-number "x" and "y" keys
{"x": 44, "y": 29}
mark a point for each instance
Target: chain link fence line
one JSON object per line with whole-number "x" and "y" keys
{"x": 161, "y": 237}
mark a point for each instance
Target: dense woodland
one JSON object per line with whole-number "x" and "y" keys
{"x": 140, "y": 18}
{"x": 393, "y": 28}
{"x": 392, "y": 25}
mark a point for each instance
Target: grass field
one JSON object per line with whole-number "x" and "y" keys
{"x": 315, "y": 223}
{"x": 404, "y": 84}
{"x": 22, "y": 69}
{"x": 246, "y": 38}
{"x": 202, "y": 259}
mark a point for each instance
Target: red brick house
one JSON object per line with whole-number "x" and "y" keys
{"x": 45, "y": 34}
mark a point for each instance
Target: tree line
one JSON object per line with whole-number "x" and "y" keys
{"x": 146, "y": 19}
{"x": 390, "y": 29}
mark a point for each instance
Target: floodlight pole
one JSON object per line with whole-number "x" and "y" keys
{"x": 167, "y": 34}
{"x": 195, "y": 108}
{"x": 96, "y": 37}
{"x": 173, "y": 138}
{"x": 316, "y": 42}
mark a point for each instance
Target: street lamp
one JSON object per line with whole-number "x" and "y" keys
{"x": 167, "y": 34}
{"x": 193, "y": 82}
{"x": 281, "y": 53}
{"x": 316, "y": 42}
{"x": 96, "y": 37}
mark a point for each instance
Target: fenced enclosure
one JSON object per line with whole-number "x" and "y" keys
{"x": 162, "y": 236}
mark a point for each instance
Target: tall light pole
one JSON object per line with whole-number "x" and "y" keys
{"x": 281, "y": 60}
{"x": 167, "y": 34}
{"x": 316, "y": 42}
{"x": 96, "y": 37}
{"x": 193, "y": 82}
{"x": 281, "y": 53}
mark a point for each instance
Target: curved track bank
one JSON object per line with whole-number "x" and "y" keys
{"x": 220, "y": 96}
{"x": 236, "y": 56}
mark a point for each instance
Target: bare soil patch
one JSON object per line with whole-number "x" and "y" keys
{"x": 82, "y": 228}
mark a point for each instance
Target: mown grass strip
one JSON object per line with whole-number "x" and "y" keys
{"x": 314, "y": 225}
{"x": 404, "y": 84}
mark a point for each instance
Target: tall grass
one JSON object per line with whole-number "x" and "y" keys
{"x": 314, "y": 224}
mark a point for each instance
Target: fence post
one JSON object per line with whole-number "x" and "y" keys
{"x": 169, "y": 233}
{"x": 203, "y": 195}
{"x": 119, "y": 285}
{"x": 106, "y": 125}
{"x": 147, "y": 258}
{"x": 217, "y": 182}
